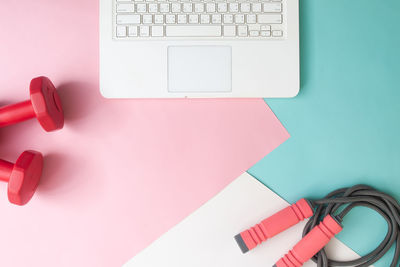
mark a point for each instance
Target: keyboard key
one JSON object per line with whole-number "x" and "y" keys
{"x": 216, "y": 19}
{"x": 193, "y": 19}
{"x": 205, "y": 19}
{"x": 265, "y": 33}
{"x": 242, "y": 30}
{"x": 228, "y": 18}
{"x": 277, "y": 33}
{"x": 147, "y": 19}
{"x": 222, "y": 7}
{"x": 176, "y": 7}
{"x": 251, "y": 19}
{"x": 229, "y": 31}
{"x": 272, "y": 7}
{"x": 245, "y": 7}
{"x": 269, "y": 19}
{"x": 159, "y": 19}
{"x": 170, "y": 19}
{"x": 157, "y": 31}
{"x": 121, "y": 31}
{"x": 193, "y": 31}
{"x": 254, "y": 27}
{"x": 125, "y": 7}
{"x": 182, "y": 19}
{"x": 233, "y": 7}
{"x": 210, "y": 7}
{"x": 132, "y": 31}
{"x": 199, "y": 7}
{"x": 254, "y": 33}
{"x": 128, "y": 19}
{"x": 256, "y": 7}
{"x": 153, "y": 8}
{"x": 141, "y": 8}
{"x": 239, "y": 18}
{"x": 144, "y": 31}
{"x": 164, "y": 8}
{"x": 265, "y": 27}
{"x": 187, "y": 7}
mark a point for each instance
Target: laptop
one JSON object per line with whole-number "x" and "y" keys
{"x": 199, "y": 48}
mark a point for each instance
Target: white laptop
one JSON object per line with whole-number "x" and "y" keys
{"x": 199, "y": 48}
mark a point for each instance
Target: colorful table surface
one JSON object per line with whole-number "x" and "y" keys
{"x": 344, "y": 125}
{"x": 345, "y": 122}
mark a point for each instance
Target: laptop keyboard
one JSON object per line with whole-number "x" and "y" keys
{"x": 220, "y": 19}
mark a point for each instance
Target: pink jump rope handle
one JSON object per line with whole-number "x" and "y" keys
{"x": 311, "y": 244}
{"x": 273, "y": 225}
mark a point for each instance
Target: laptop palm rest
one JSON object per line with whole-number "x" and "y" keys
{"x": 199, "y": 69}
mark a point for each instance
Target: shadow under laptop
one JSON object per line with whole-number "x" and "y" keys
{"x": 305, "y": 7}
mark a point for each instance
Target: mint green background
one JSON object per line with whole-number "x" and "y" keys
{"x": 345, "y": 123}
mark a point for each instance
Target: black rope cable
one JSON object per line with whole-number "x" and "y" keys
{"x": 340, "y": 202}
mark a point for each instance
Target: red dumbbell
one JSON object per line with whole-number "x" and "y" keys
{"x": 22, "y": 177}
{"x": 44, "y": 104}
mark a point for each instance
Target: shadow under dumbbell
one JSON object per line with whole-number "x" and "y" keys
{"x": 14, "y": 139}
{"x": 77, "y": 100}
{"x": 53, "y": 180}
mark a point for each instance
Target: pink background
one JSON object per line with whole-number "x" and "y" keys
{"x": 121, "y": 172}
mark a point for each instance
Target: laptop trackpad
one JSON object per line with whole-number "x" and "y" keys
{"x": 199, "y": 69}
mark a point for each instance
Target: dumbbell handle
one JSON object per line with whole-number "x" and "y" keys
{"x": 15, "y": 113}
{"x": 5, "y": 170}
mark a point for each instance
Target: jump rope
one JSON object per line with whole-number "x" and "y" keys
{"x": 326, "y": 216}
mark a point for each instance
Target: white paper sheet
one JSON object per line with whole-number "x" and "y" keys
{"x": 205, "y": 238}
